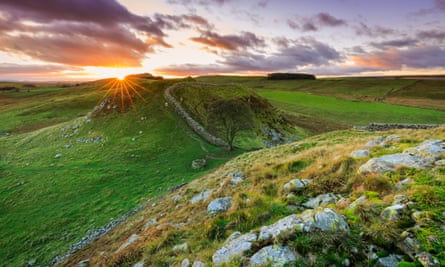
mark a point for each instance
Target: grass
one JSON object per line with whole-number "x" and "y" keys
{"x": 349, "y": 112}
{"x": 49, "y": 203}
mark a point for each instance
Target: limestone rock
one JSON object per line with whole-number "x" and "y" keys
{"x": 139, "y": 264}
{"x": 185, "y": 263}
{"x": 393, "y": 213}
{"x": 58, "y": 156}
{"x": 181, "y": 247}
{"x": 389, "y": 163}
{"x": 403, "y": 183}
{"x": 198, "y": 264}
{"x": 198, "y": 164}
{"x": 236, "y": 177}
{"x": 430, "y": 150}
{"x": 235, "y": 246}
{"x": 400, "y": 200}
{"x": 321, "y": 200}
{"x": 427, "y": 260}
{"x": 219, "y": 205}
{"x": 389, "y": 261}
{"x": 84, "y": 263}
{"x": 357, "y": 202}
{"x": 203, "y": 196}
{"x": 329, "y": 220}
{"x": 275, "y": 256}
{"x": 286, "y": 226}
{"x": 133, "y": 238}
{"x": 378, "y": 141}
{"x": 295, "y": 185}
{"x": 356, "y": 154}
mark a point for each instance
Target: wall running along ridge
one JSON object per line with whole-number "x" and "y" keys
{"x": 196, "y": 126}
{"x": 390, "y": 126}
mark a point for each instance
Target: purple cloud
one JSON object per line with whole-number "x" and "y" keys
{"x": 315, "y": 22}
{"x": 433, "y": 34}
{"x": 395, "y": 43}
{"x": 229, "y": 42}
{"x": 372, "y": 31}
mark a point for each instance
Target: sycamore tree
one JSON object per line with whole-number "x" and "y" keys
{"x": 227, "y": 117}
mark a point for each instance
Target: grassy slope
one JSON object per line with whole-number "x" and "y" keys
{"x": 350, "y": 112}
{"x": 48, "y": 203}
{"x": 259, "y": 200}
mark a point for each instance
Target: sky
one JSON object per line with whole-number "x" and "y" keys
{"x": 92, "y": 39}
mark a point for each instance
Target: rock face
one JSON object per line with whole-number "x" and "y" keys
{"x": 389, "y": 163}
{"x": 283, "y": 227}
{"x": 360, "y": 154}
{"x": 234, "y": 247}
{"x": 219, "y": 205}
{"x": 275, "y": 256}
{"x": 204, "y": 195}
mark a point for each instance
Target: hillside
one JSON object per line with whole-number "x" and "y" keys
{"x": 67, "y": 172}
{"x": 349, "y": 198}
{"x": 269, "y": 127}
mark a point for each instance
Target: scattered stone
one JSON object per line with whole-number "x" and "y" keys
{"x": 430, "y": 150}
{"x": 58, "y": 156}
{"x": 409, "y": 245}
{"x": 139, "y": 264}
{"x": 393, "y": 213}
{"x": 378, "y": 141}
{"x": 84, "y": 263}
{"x": 296, "y": 185}
{"x": 219, "y": 205}
{"x": 198, "y": 264}
{"x": 185, "y": 263}
{"x": 389, "y": 163}
{"x": 360, "y": 154}
{"x": 176, "y": 198}
{"x": 198, "y": 164}
{"x": 133, "y": 139}
{"x": 275, "y": 256}
{"x": 321, "y": 200}
{"x": 68, "y": 146}
{"x": 203, "y": 196}
{"x": 357, "y": 202}
{"x": 427, "y": 260}
{"x": 418, "y": 216}
{"x": 235, "y": 246}
{"x": 329, "y": 220}
{"x": 346, "y": 262}
{"x": 181, "y": 247}
{"x": 389, "y": 261}
{"x": 32, "y": 262}
{"x": 133, "y": 238}
{"x": 284, "y": 227}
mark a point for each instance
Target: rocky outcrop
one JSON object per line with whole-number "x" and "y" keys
{"x": 219, "y": 205}
{"x": 276, "y": 256}
{"x": 295, "y": 185}
{"x": 203, "y": 196}
{"x": 363, "y": 153}
{"x": 322, "y": 200}
{"x": 234, "y": 247}
{"x": 196, "y": 126}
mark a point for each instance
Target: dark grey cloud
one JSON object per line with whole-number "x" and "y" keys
{"x": 432, "y": 34}
{"x": 86, "y": 32}
{"x": 315, "y": 22}
{"x": 199, "y": 2}
{"x": 242, "y": 41}
{"x": 372, "y": 31}
{"x": 395, "y": 43}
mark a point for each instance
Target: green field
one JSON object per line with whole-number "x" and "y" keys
{"x": 48, "y": 203}
{"x": 347, "y": 111}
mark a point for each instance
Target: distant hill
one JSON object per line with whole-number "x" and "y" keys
{"x": 290, "y": 76}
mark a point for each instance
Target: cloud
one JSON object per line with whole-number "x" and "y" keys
{"x": 11, "y": 72}
{"x": 395, "y": 43}
{"x": 438, "y": 7}
{"x": 372, "y": 31}
{"x": 394, "y": 59}
{"x": 432, "y": 34}
{"x": 244, "y": 40}
{"x": 86, "y": 32}
{"x": 198, "y": 2}
{"x": 315, "y": 22}
{"x": 291, "y": 56}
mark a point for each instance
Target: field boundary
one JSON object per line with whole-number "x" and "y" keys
{"x": 196, "y": 126}
{"x": 372, "y": 127}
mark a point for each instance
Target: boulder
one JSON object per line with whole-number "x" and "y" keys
{"x": 295, "y": 185}
{"x": 198, "y": 164}
{"x": 58, "y": 156}
{"x": 400, "y": 200}
{"x": 403, "y": 183}
{"x": 219, "y": 205}
{"x": 378, "y": 141}
{"x": 389, "y": 261}
{"x": 275, "y": 256}
{"x": 429, "y": 150}
{"x": 203, "y": 196}
{"x": 139, "y": 264}
{"x": 356, "y": 154}
{"x": 283, "y": 227}
{"x": 236, "y": 177}
{"x": 234, "y": 247}
{"x": 427, "y": 260}
{"x": 393, "y": 213}
{"x": 181, "y": 247}
{"x": 329, "y": 220}
{"x": 357, "y": 202}
{"x": 389, "y": 163}
{"x": 185, "y": 263}
{"x": 198, "y": 264}
{"x": 321, "y": 200}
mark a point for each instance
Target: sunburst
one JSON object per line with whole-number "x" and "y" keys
{"x": 121, "y": 93}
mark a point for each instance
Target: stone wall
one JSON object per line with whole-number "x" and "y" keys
{"x": 196, "y": 126}
{"x": 390, "y": 126}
